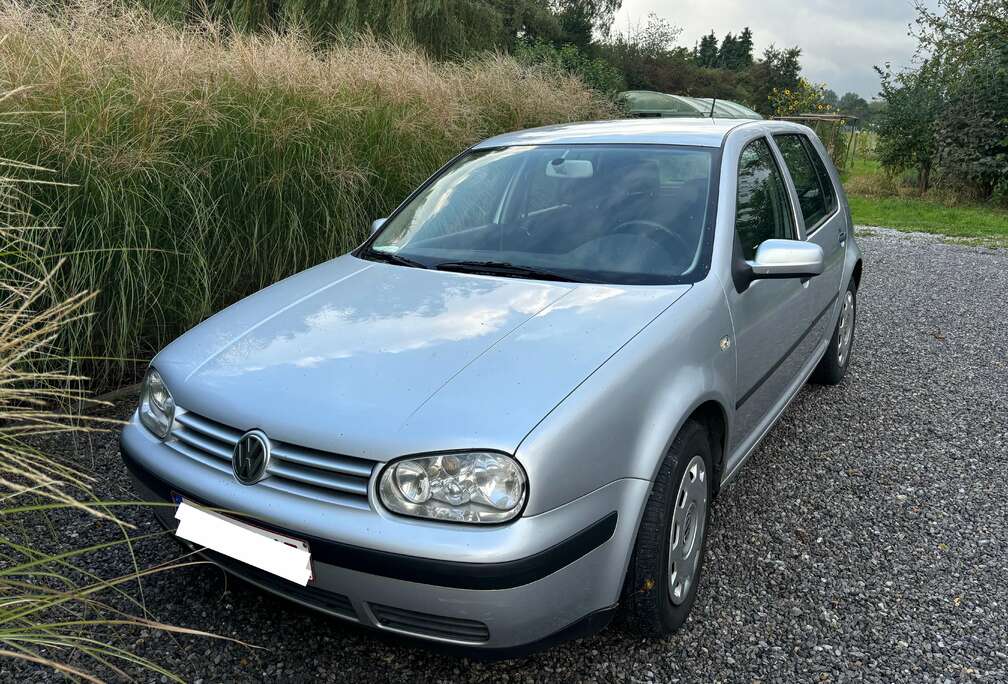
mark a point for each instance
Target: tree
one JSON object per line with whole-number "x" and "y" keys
{"x": 745, "y": 49}
{"x": 906, "y": 126}
{"x": 643, "y": 54}
{"x": 876, "y": 109}
{"x": 778, "y": 70}
{"x": 733, "y": 52}
{"x": 950, "y": 112}
{"x": 707, "y": 52}
{"x": 736, "y": 52}
{"x": 527, "y": 20}
{"x": 727, "y": 55}
{"x": 853, "y": 104}
{"x": 958, "y": 30}
{"x": 580, "y": 19}
{"x": 830, "y": 99}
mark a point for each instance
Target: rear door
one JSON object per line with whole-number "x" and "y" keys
{"x": 820, "y": 221}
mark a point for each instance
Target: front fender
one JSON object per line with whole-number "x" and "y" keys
{"x": 620, "y": 421}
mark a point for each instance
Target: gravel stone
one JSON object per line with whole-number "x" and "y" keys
{"x": 865, "y": 540}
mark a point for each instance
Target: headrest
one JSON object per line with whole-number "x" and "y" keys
{"x": 636, "y": 177}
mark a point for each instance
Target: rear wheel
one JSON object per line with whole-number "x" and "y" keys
{"x": 833, "y": 366}
{"x": 664, "y": 573}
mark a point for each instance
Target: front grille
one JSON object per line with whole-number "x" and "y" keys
{"x": 423, "y": 624}
{"x": 328, "y": 600}
{"x": 313, "y": 474}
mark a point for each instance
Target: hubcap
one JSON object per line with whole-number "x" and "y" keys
{"x": 845, "y": 333}
{"x": 689, "y": 522}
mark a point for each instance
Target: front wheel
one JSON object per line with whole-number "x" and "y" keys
{"x": 833, "y": 366}
{"x": 664, "y": 573}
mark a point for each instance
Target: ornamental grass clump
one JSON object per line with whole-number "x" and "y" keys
{"x": 54, "y": 607}
{"x": 202, "y": 164}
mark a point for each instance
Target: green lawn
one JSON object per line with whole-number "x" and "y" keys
{"x": 908, "y": 213}
{"x": 877, "y": 199}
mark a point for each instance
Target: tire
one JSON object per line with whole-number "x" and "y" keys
{"x": 833, "y": 366}
{"x": 653, "y": 605}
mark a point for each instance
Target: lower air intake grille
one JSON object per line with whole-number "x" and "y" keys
{"x": 423, "y": 624}
{"x": 320, "y": 598}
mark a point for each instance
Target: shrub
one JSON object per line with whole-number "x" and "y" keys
{"x": 597, "y": 74}
{"x": 806, "y": 97}
{"x": 972, "y": 133}
{"x": 205, "y": 165}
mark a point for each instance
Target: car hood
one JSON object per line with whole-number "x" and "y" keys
{"x": 376, "y": 360}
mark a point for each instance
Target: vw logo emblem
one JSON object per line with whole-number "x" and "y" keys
{"x": 251, "y": 456}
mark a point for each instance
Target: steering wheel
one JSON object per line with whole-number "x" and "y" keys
{"x": 670, "y": 241}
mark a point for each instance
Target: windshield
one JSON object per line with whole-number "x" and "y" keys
{"x": 629, "y": 214}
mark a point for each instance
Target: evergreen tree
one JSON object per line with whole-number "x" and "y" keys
{"x": 727, "y": 55}
{"x": 707, "y": 53}
{"x": 733, "y": 53}
{"x": 745, "y": 49}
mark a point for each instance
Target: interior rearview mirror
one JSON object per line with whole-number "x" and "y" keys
{"x": 377, "y": 224}
{"x": 787, "y": 259}
{"x": 570, "y": 168}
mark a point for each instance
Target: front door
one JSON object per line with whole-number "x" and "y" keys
{"x": 768, "y": 315}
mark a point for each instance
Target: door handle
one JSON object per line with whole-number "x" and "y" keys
{"x": 842, "y": 235}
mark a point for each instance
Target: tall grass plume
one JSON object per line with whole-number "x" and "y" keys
{"x": 202, "y": 164}
{"x": 55, "y": 609}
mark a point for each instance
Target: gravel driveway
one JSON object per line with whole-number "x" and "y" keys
{"x": 867, "y": 539}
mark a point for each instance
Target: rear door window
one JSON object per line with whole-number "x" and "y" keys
{"x": 815, "y": 190}
{"x": 829, "y": 192}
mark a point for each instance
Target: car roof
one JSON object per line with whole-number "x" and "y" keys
{"x": 664, "y": 131}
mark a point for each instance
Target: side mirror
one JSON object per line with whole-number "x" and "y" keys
{"x": 786, "y": 259}
{"x": 377, "y": 224}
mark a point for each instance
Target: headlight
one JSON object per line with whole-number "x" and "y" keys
{"x": 472, "y": 487}
{"x": 157, "y": 408}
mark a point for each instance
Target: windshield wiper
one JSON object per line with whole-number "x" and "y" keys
{"x": 392, "y": 258}
{"x": 502, "y": 268}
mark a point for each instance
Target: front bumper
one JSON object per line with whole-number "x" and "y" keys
{"x": 538, "y": 579}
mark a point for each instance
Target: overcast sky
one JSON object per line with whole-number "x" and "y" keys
{"x": 840, "y": 41}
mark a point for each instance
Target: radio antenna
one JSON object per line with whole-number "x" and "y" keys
{"x": 713, "y": 102}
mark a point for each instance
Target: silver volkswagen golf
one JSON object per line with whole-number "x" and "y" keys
{"x": 503, "y": 419}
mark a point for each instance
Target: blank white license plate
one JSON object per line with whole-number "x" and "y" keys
{"x": 282, "y": 556}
